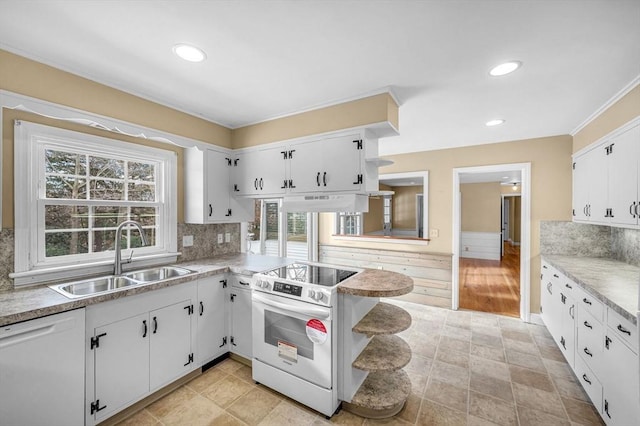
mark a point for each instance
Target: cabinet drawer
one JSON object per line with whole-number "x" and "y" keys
{"x": 590, "y": 341}
{"x": 623, "y": 328}
{"x": 590, "y": 383}
{"x": 241, "y": 281}
{"x": 589, "y": 303}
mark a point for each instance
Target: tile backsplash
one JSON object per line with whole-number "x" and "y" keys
{"x": 625, "y": 245}
{"x": 205, "y": 244}
{"x": 7, "y": 248}
{"x": 579, "y": 239}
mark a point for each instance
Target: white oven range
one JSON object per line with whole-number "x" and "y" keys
{"x": 295, "y": 332}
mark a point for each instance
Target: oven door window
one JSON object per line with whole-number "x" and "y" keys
{"x": 289, "y": 330}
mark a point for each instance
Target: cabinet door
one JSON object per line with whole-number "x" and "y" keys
{"x": 580, "y": 188}
{"x": 212, "y": 318}
{"x": 549, "y": 310}
{"x": 567, "y": 327}
{"x": 121, "y": 364}
{"x": 306, "y": 167}
{"x": 598, "y": 171}
{"x": 620, "y": 383}
{"x": 623, "y": 177}
{"x": 218, "y": 189}
{"x": 241, "y": 334}
{"x": 327, "y": 165}
{"x": 170, "y": 343}
{"x": 261, "y": 172}
{"x": 342, "y": 163}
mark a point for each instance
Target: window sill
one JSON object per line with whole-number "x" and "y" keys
{"x": 78, "y": 271}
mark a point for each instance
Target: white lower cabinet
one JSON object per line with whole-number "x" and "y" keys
{"x": 212, "y": 317}
{"x": 42, "y": 371}
{"x": 558, "y": 310}
{"x": 603, "y": 351}
{"x": 240, "y": 336}
{"x": 137, "y": 345}
{"x": 619, "y": 382}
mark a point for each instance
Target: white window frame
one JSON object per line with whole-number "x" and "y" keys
{"x": 30, "y": 264}
{"x": 338, "y": 223}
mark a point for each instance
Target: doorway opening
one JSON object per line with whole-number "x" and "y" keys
{"x": 491, "y": 239}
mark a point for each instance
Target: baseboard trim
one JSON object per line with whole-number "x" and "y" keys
{"x": 536, "y": 319}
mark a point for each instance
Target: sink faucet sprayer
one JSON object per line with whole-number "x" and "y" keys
{"x": 117, "y": 267}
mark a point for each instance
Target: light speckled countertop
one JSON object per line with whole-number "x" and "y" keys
{"x": 377, "y": 283}
{"x": 612, "y": 282}
{"x": 34, "y": 302}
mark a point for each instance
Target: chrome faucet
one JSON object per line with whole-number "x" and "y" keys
{"x": 117, "y": 267}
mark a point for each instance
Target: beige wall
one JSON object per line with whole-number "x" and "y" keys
{"x": 550, "y": 159}
{"x": 374, "y": 109}
{"x": 480, "y": 205}
{"x": 623, "y": 111}
{"x": 26, "y": 77}
{"x": 404, "y": 206}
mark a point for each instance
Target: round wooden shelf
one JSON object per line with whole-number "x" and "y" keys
{"x": 384, "y": 318}
{"x": 382, "y": 395}
{"x": 384, "y": 353}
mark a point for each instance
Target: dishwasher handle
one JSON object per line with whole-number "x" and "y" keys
{"x": 322, "y": 313}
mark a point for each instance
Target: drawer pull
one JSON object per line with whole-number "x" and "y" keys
{"x": 586, "y": 379}
{"x": 587, "y": 301}
{"x": 623, "y": 330}
{"x": 588, "y": 352}
{"x": 567, "y": 285}
{"x": 586, "y": 324}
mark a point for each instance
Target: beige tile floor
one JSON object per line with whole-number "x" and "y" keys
{"x": 467, "y": 368}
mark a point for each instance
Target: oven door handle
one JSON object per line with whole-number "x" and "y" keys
{"x": 308, "y": 311}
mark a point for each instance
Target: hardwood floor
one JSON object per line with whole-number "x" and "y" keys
{"x": 492, "y": 285}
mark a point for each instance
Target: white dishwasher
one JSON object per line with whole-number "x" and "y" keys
{"x": 42, "y": 371}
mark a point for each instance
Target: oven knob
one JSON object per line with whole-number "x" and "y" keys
{"x": 316, "y": 295}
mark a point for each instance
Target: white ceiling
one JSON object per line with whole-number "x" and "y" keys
{"x": 506, "y": 177}
{"x": 272, "y": 58}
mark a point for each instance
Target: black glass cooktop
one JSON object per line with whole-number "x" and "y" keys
{"x": 312, "y": 274}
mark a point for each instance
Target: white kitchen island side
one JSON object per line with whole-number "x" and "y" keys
{"x": 372, "y": 383}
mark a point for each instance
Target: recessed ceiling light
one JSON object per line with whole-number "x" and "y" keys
{"x": 506, "y": 68}
{"x": 497, "y": 122}
{"x": 189, "y": 53}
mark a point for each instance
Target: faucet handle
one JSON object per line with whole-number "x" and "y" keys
{"x": 130, "y": 256}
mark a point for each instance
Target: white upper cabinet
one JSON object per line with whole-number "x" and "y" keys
{"x": 260, "y": 173}
{"x": 208, "y": 189}
{"x": 624, "y": 158}
{"x": 606, "y": 180}
{"x": 327, "y": 165}
{"x": 330, "y": 164}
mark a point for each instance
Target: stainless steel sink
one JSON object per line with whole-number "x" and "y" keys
{"x": 111, "y": 283}
{"x": 157, "y": 274}
{"x": 94, "y": 286}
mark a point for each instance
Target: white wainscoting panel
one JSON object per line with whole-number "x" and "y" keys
{"x": 480, "y": 245}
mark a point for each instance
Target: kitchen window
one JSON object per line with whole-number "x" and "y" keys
{"x": 76, "y": 188}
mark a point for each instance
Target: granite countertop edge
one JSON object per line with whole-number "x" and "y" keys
{"x": 619, "y": 276}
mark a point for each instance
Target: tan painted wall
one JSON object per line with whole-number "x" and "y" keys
{"x": 360, "y": 112}
{"x": 26, "y": 77}
{"x": 623, "y": 111}
{"x": 550, "y": 159}
{"x": 480, "y": 205}
{"x": 404, "y": 206}
{"x": 372, "y": 220}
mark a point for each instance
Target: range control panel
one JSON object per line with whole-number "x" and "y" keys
{"x": 294, "y": 290}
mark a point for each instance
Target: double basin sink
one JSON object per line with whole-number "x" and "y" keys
{"x": 111, "y": 283}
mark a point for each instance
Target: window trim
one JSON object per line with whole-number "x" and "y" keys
{"x": 28, "y": 138}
